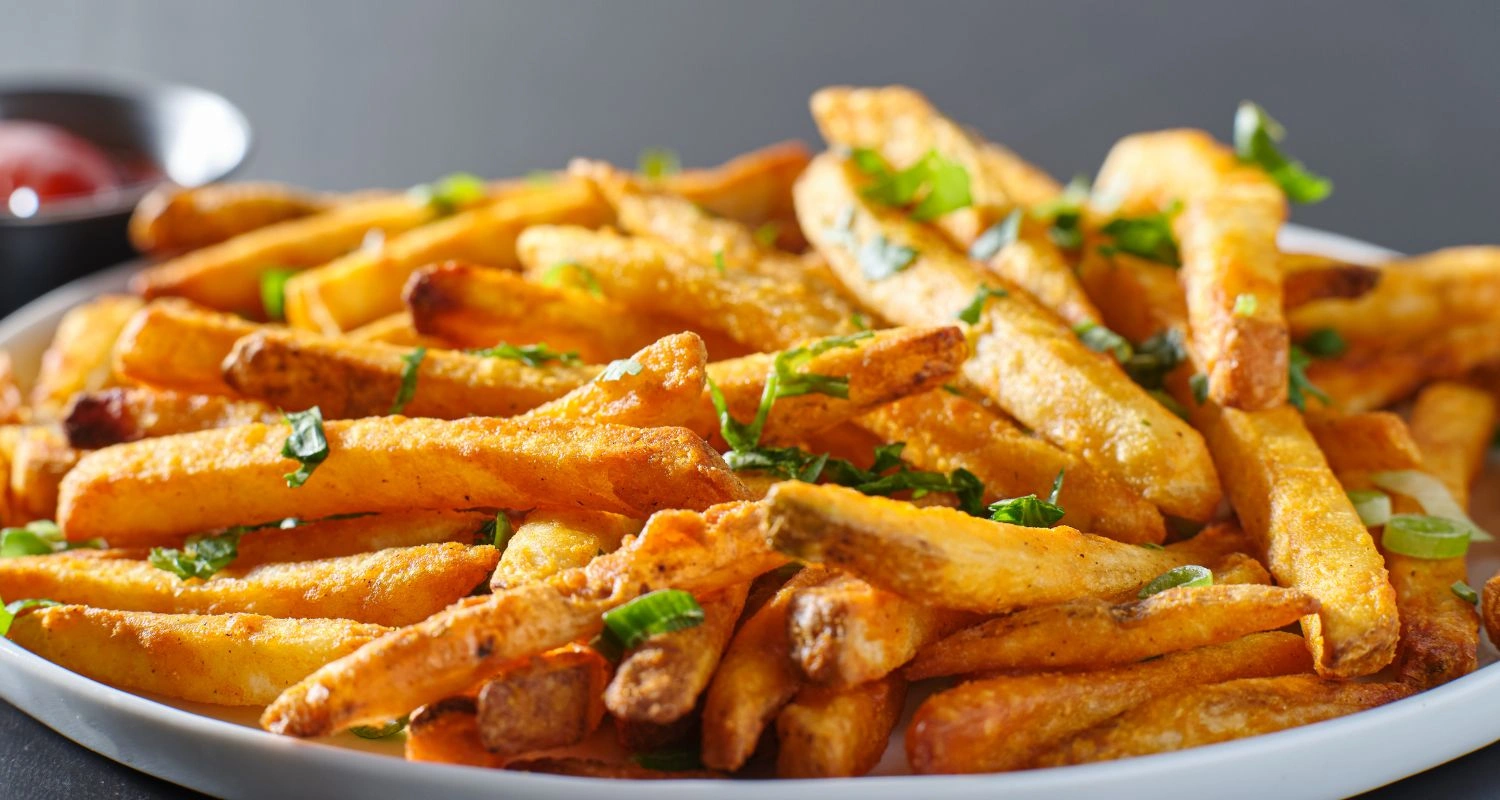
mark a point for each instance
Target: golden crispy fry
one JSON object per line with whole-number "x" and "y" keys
{"x": 1453, "y": 425}
{"x": 78, "y": 360}
{"x": 1034, "y": 264}
{"x": 548, "y": 700}
{"x": 38, "y": 463}
{"x": 111, "y": 416}
{"x": 947, "y": 558}
{"x": 1365, "y": 442}
{"x": 447, "y": 732}
{"x": 453, "y": 650}
{"x": 12, "y": 403}
{"x": 756, "y": 677}
{"x": 1239, "y": 568}
{"x": 198, "y": 481}
{"x": 1091, "y": 634}
{"x": 754, "y": 188}
{"x": 173, "y": 344}
{"x": 1005, "y": 723}
{"x": 230, "y": 659}
{"x": 1367, "y": 378}
{"x": 845, "y": 632}
{"x": 590, "y": 768}
{"x": 944, "y": 432}
{"x": 549, "y": 542}
{"x": 397, "y": 329}
{"x": 227, "y": 276}
{"x": 1138, "y": 298}
{"x": 666, "y": 390}
{"x": 347, "y": 380}
{"x": 479, "y": 307}
{"x": 1219, "y": 713}
{"x": 394, "y": 587}
{"x": 1024, "y": 360}
{"x": 176, "y": 218}
{"x": 333, "y": 538}
{"x": 755, "y": 310}
{"x": 364, "y": 286}
{"x": 1289, "y": 501}
{"x": 659, "y": 681}
{"x": 1309, "y": 278}
{"x": 838, "y": 733}
{"x": 1213, "y": 544}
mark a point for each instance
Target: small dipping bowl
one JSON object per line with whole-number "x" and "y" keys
{"x": 152, "y": 133}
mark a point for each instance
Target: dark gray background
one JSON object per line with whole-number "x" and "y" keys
{"x": 1397, "y": 102}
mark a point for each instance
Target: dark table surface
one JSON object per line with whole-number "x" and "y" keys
{"x": 1396, "y": 101}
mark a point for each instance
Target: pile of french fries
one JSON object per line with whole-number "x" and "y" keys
{"x": 711, "y": 471}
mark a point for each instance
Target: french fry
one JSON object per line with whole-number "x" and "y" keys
{"x": 196, "y": 481}
{"x": 452, "y": 650}
{"x": 594, "y": 768}
{"x": 397, "y": 329}
{"x": 549, "y": 700}
{"x": 78, "y": 359}
{"x": 1364, "y": 442}
{"x": 944, "y": 432}
{"x": 12, "y": 402}
{"x": 666, "y": 389}
{"x": 1029, "y": 364}
{"x": 1222, "y": 712}
{"x": 172, "y": 344}
{"x": 333, "y": 538}
{"x": 364, "y": 286}
{"x": 173, "y": 219}
{"x": 393, "y": 587}
{"x": 659, "y": 681}
{"x": 447, "y": 732}
{"x": 754, "y": 188}
{"x": 838, "y": 733}
{"x": 227, "y": 276}
{"x": 1092, "y": 634}
{"x": 1452, "y": 425}
{"x": 1309, "y": 278}
{"x": 229, "y": 659}
{"x": 949, "y": 559}
{"x": 755, "y": 678}
{"x": 549, "y": 542}
{"x": 112, "y": 416}
{"x": 754, "y": 310}
{"x": 1137, "y": 298}
{"x": 1009, "y": 722}
{"x": 39, "y": 461}
{"x": 1367, "y": 378}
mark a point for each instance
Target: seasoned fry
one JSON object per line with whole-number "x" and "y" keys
{"x": 1005, "y": 723}
{"x": 1025, "y": 361}
{"x": 230, "y": 659}
{"x": 172, "y": 344}
{"x": 1452, "y": 425}
{"x": 397, "y": 329}
{"x": 1219, "y": 713}
{"x": 1366, "y": 378}
{"x": 39, "y": 461}
{"x": 754, "y": 188}
{"x": 136, "y": 490}
{"x": 394, "y": 587}
{"x": 1309, "y": 278}
{"x": 112, "y": 416}
{"x": 172, "y": 219}
{"x": 549, "y": 542}
{"x": 78, "y": 359}
{"x": 838, "y": 733}
{"x": 549, "y": 700}
{"x": 451, "y": 651}
{"x": 1365, "y": 442}
{"x": 949, "y": 559}
{"x": 1092, "y": 634}
{"x": 667, "y": 389}
{"x": 226, "y": 276}
{"x": 333, "y": 538}
{"x": 447, "y": 732}
{"x": 659, "y": 681}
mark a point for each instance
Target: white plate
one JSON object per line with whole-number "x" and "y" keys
{"x": 220, "y": 751}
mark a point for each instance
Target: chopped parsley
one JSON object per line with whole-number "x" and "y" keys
{"x": 1155, "y": 358}
{"x": 273, "y": 291}
{"x": 39, "y": 538}
{"x": 532, "y": 355}
{"x": 997, "y": 237}
{"x": 450, "y": 193}
{"x": 1100, "y": 339}
{"x": 1030, "y": 511}
{"x": 656, "y": 163}
{"x": 1324, "y": 343}
{"x": 1064, "y": 214}
{"x": 859, "y": 321}
{"x": 201, "y": 556}
{"x": 931, "y": 187}
{"x": 972, "y": 312}
{"x": 1256, "y": 136}
{"x": 410, "y": 364}
{"x": 881, "y": 258}
{"x": 306, "y": 443}
{"x": 1298, "y": 387}
{"x": 1149, "y": 237}
{"x": 618, "y": 369}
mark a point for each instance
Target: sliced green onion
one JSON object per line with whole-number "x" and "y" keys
{"x": 1432, "y": 495}
{"x": 1465, "y": 592}
{"x": 389, "y": 729}
{"x": 1422, "y": 536}
{"x": 273, "y": 292}
{"x": 1188, "y": 575}
{"x": 662, "y": 611}
{"x": 1373, "y": 507}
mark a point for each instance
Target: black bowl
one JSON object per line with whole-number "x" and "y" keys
{"x": 184, "y": 135}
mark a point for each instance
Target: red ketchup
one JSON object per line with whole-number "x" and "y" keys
{"x": 52, "y": 163}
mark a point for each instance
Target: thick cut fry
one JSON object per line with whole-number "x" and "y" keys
{"x": 39, "y": 461}
{"x": 453, "y": 650}
{"x": 754, "y": 188}
{"x": 1006, "y": 723}
{"x": 1138, "y": 298}
{"x": 549, "y": 700}
{"x": 333, "y": 538}
{"x": 754, "y": 310}
{"x": 397, "y": 329}
{"x": 447, "y": 732}
{"x": 947, "y": 558}
{"x": 1027, "y": 362}
{"x": 838, "y": 733}
{"x": 364, "y": 286}
{"x": 198, "y": 481}
{"x": 1220, "y": 713}
{"x": 845, "y": 632}
{"x": 1309, "y": 278}
{"x": 1365, "y": 378}
{"x": 227, "y": 276}
{"x": 659, "y": 681}
{"x": 395, "y": 587}
{"x": 78, "y": 359}
{"x": 1453, "y": 426}
{"x": 667, "y": 389}
{"x": 175, "y": 345}
{"x": 1289, "y": 501}
{"x": 1365, "y": 442}
{"x": 591, "y": 768}
{"x": 755, "y": 679}
{"x": 479, "y": 307}
{"x": 1091, "y": 634}
{"x": 549, "y": 542}
{"x": 231, "y": 660}
{"x": 173, "y": 219}
{"x": 944, "y": 432}
{"x": 112, "y": 416}
{"x": 347, "y": 380}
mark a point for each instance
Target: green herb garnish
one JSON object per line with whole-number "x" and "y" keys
{"x": 451, "y": 193}
{"x": 880, "y": 258}
{"x": 201, "y": 556}
{"x": 410, "y": 364}
{"x": 559, "y": 275}
{"x": 1465, "y": 592}
{"x": 1155, "y": 358}
{"x": 656, "y": 163}
{"x": 1030, "y": 511}
{"x": 39, "y": 538}
{"x": 767, "y": 234}
{"x": 1298, "y": 387}
{"x": 971, "y": 312}
{"x": 1245, "y": 305}
{"x": 1100, "y": 339}
{"x": 997, "y": 237}
{"x": 1064, "y": 214}
{"x": 1149, "y": 237}
{"x": 1199, "y": 385}
{"x": 532, "y": 355}
{"x": 1324, "y": 343}
{"x": 719, "y": 262}
{"x": 273, "y": 291}
{"x": 307, "y": 444}
{"x": 931, "y": 187}
{"x": 618, "y": 369}
{"x": 385, "y": 731}
{"x": 9, "y": 611}
{"x": 1255, "y": 142}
